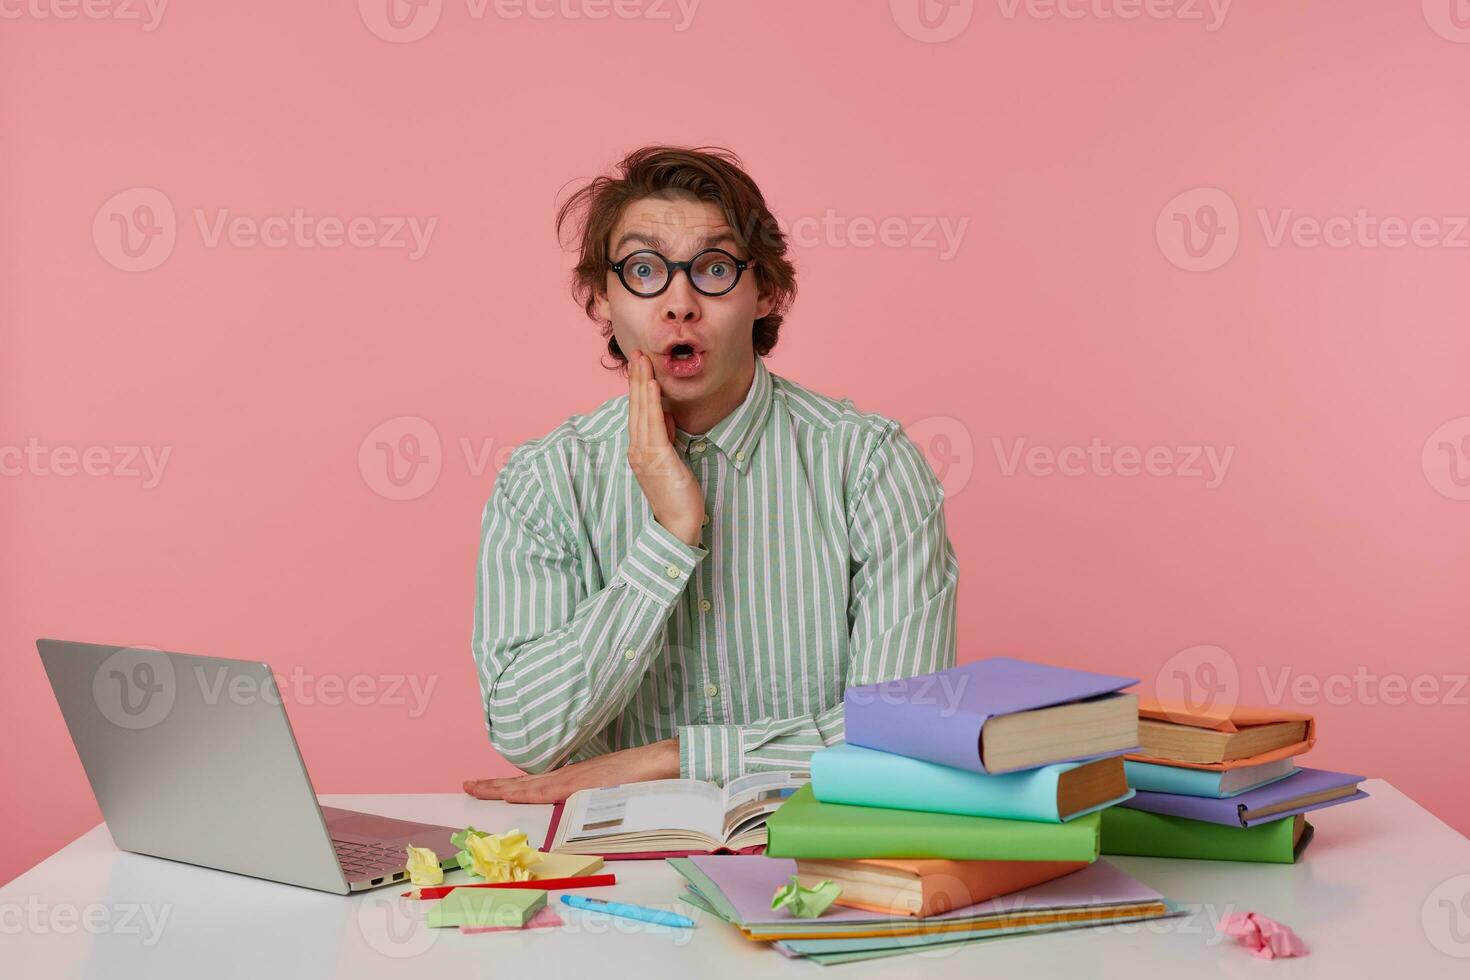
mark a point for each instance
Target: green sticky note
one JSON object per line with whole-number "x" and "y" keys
{"x": 487, "y": 907}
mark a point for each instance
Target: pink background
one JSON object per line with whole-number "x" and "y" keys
{"x": 1334, "y": 546}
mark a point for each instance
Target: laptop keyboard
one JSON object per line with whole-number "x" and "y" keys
{"x": 369, "y": 859}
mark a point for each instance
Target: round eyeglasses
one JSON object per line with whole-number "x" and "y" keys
{"x": 646, "y": 273}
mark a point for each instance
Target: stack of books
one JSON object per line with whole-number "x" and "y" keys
{"x": 965, "y": 804}
{"x": 1222, "y": 784}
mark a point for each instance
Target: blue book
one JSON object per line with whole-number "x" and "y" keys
{"x": 1050, "y": 794}
{"x": 1156, "y": 778}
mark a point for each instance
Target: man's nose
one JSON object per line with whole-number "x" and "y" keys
{"x": 680, "y": 300}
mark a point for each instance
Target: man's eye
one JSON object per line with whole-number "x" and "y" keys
{"x": 642, "y": 270}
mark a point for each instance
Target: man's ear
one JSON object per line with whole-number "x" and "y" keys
{"x": 603, "y": 307}
{"x": 764, "y": 304}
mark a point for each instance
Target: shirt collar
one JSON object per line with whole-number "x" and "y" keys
{"x": 736, "y": 434}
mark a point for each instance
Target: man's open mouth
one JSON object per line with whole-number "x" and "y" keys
{"x": 682, "y": 352}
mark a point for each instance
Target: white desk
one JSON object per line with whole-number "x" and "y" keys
{"x": 1383, "y": 891}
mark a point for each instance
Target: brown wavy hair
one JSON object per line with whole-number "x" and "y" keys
{"x": 705, "y": 173}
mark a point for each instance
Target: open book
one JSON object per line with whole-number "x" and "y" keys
{"x": 673, "y": 815}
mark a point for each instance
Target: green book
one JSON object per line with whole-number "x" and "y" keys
{"x": 487, "y": 907}
{"x": 1128, "y": 831}
{"x": 804, "y": 827}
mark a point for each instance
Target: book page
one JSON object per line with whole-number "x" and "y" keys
{"x": 658, "y": 804}
{"x": 750, "y": 799}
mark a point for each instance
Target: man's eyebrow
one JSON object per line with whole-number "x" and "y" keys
{"x": 653, "y": 241}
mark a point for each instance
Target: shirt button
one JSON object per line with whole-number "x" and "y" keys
{"x": 672, "y": 570}
{"x": 710, "y": 690}
{"x": 629, "y": 653}
{"x": 740, "y": 457}
{"x": 700, "y": 446}
{"x": 704, "y": 522}
{"x": 704, "y": 605}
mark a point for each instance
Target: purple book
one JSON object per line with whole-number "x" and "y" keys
{"x": 1244, "y": 810}
{"x": 940, "y": 717}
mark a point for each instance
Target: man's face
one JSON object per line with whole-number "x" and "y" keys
{"x": 717, "y": 328}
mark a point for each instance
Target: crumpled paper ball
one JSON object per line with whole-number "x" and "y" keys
{"x": 803, "y": 902}
{"x": 1263, "y": 936}
{"x": 495, "y": 857}
{"x": 423, "y": 867}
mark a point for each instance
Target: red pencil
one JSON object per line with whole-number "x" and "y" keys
{"x": 545, "y": 884}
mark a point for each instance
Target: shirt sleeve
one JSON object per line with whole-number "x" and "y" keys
{"x": 901, "y": 612}
{"x": 556, "y": 662}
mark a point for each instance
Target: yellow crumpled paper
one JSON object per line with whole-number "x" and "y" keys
{"x": 496, "y": 857}
{"x": 423, "y": 867}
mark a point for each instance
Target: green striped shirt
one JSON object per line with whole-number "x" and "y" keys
{"x": 824, "y": 564}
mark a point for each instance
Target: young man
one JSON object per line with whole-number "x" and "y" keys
{"x": 684, "y": 581}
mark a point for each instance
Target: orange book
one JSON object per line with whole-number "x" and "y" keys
{"x": 922, "y": 888}
{"x": 1214, "y": 738}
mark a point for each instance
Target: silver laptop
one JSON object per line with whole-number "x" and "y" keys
{"x": 192, "y": 759}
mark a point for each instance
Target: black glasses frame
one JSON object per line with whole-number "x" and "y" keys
{"x": 674, "y": 267}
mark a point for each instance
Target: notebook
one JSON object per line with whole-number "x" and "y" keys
{"x": 995, "y": 715}
{"x": 1051, "y": 794}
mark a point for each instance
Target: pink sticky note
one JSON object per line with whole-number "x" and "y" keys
{"x": 1263, "y": 936}
{"x": 544, "y": 919}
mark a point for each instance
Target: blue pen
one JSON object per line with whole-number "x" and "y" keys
{"x": 627, "y": 911}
